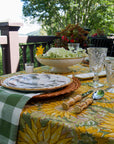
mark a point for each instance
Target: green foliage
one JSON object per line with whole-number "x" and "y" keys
{"x": 28, "y": 60}
{"x": 57, "y": 14}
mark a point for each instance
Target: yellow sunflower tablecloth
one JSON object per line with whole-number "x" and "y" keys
{"x": 45, "y": 122}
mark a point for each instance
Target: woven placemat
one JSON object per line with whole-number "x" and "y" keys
{"x": 70, "y": 88}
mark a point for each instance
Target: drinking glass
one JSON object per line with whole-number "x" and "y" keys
{"x": 73, "y": 46}
{"x": 96, "y": 63}
{"x": 29, "y": 67}
{"x": 109, "y": 65}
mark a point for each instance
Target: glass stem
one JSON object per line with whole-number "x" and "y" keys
{"x": 95, "y": 79}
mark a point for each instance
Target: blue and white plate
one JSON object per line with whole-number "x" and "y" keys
{"x": 36, "y": 82}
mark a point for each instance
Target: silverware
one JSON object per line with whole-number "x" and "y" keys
{"x": 87, "y": 93}
{"x": 98, "y": 94}
{"x": 74, "y": 99}
{"x": 84, "y": 104}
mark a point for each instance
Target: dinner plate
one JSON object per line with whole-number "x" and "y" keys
{"x": 59, "y": 92}
{"x": 89, "y": 75}
{"x": 36, "y": 82}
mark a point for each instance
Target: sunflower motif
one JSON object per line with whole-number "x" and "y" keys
{"x": 90, "y": 135}
{"x": 29, "y": 109}
{"x": 108, "y": 125}
{"x": 104, "y": 104}
{"x": 109, "y": 96}
{"x": 49, "y": 134}
{"x": 55, "y": 109}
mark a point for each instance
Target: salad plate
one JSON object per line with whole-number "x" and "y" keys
{"x": 88, "y": 75}
{"x": 36, "y": 82}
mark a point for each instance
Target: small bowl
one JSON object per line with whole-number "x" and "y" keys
{"x": 60, "y": 65}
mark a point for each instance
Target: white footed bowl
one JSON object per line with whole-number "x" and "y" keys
{"x": 60, "y": 65}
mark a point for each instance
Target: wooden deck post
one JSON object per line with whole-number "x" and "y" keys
{"x": 11, "y": 50}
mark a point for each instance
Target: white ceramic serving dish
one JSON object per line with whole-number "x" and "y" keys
{"x": 60, "y": 65}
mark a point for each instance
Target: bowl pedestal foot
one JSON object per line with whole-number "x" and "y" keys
{"x": 60, "y": 70}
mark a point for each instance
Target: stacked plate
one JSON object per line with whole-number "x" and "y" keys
{"x": 46, "y": 83}
{"x": 36, "y": 82}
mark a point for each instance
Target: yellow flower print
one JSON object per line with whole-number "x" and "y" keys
{"x": 39, "y": 50}
{"x": 104, "y": 104}
{"x": 29, "y": 109}
{"x": 109, "y": 95}
{"x": 108, "y": 125}
{"x": 55, "y": 109}
{"x": 97, "y": 136}
{"x": 43, "y": 135}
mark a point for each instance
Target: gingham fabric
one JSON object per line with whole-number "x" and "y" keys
{"x": 11, "y": 105}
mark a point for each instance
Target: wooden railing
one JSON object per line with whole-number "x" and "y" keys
{"x": 31, "y": 42}
{"x": 104, "y": 42}
{"x": 11, "y": 42}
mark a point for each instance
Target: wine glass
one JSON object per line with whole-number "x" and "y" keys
{"x": 96, "y": 56}
{"x": 73, "y": 46}
{"x": 109, "y": 65}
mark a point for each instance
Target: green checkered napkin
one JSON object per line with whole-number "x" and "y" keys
{"x": 11, "y": 105}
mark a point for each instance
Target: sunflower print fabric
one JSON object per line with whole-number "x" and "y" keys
{"x": 45, "y": 122}
{"x": 48, "y": 123}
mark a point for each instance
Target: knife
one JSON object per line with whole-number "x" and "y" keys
{"x": 75, "y": 99}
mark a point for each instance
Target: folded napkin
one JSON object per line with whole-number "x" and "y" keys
{"x": 11, "y": 105}
{"x": 88, "y": 75}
